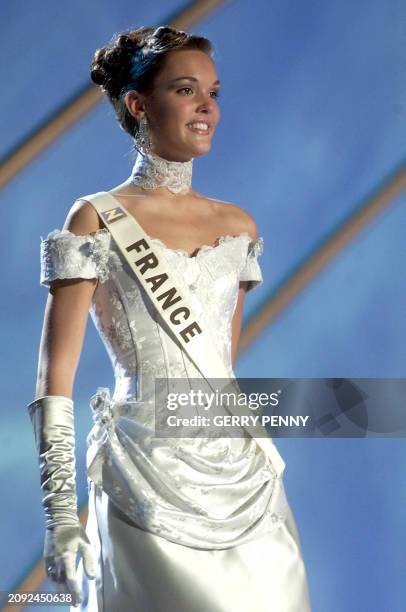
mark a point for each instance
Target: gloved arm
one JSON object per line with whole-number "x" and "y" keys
{"x": 53, "y": 423}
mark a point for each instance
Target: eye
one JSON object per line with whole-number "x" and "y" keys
{"x": 215, "y": 91}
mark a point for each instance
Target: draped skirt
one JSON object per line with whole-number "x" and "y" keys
{"x": 138, "y": 571}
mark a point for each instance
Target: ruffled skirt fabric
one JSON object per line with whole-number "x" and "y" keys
{"x": 138, "y": 571}
{"x": 210, "y": 493}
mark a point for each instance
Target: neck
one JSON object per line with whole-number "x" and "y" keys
{"x": 151, "y": 171}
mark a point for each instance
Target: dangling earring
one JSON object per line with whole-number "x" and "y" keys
{"x": 143, "y": 137}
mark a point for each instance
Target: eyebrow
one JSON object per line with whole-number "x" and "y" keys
{"x": 190, "y": 78}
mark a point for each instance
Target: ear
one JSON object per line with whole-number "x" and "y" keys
{"x": 135, "y": 103}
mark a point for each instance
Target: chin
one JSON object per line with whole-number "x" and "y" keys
{"x": 202, "y": 150}
{"x": 199, "y": 153}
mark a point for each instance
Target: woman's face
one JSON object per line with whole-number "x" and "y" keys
{"x": 176, "y": 102}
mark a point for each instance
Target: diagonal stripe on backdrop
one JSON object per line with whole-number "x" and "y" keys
{"x": 305, "y": 272}
{"x": 83, "y": 102}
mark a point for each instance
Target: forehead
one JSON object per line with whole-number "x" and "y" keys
{"x": 190, "y": 62}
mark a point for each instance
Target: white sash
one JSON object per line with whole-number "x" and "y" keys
{"x": 171, "y": 299}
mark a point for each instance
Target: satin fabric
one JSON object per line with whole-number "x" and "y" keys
{"x": 205, "y": 493}
{"x": 140, "y": 572}
{"x": 177, "y": 524}
{"x": 197, "y": 492}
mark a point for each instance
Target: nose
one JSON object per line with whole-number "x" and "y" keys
{"x": 206, "y": 103}
{"x": 205, "y": 110}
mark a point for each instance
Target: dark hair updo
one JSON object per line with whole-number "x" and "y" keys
{"x": 133, "y": 59}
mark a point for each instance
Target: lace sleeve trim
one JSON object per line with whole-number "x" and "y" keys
{"x": 68, "y": 255}
{"x": 256, "y": 247}
{"x": 251, "y": 271}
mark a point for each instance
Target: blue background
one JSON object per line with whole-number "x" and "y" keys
{"x": 313, "y": 106}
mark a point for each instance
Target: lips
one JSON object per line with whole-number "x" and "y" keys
{"x": 199, "y": 130}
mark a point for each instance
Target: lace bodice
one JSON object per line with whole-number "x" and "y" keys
{"x": 136, "y": 344}
{"x": 209, "y": 495}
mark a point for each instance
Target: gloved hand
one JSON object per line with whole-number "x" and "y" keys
{"x": 53, "y": 423}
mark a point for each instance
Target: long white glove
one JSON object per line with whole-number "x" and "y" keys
{"x": 53, "y": 423}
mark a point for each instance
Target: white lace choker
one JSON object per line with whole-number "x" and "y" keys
{"x": 151, "y": 171}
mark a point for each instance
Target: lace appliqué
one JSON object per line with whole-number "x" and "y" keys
{"x": 102, "y": 408}
{"x": 152, "y": 171}
{"x": 68, "y": 255}
{"x": 118, "y": 332}
{"x": 251, "y": 270}
{"x": 256, "y": 247}
{"x": 205, "y": 248}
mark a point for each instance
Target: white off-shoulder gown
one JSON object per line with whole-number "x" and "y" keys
{"x": 175, "y": 525}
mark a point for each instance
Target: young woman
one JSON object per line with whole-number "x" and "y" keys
{"x": 174, "y": 523}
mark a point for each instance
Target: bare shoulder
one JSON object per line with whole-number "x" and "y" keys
{"x": 237, "y": 219}
{"x": 82, "y": 218}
